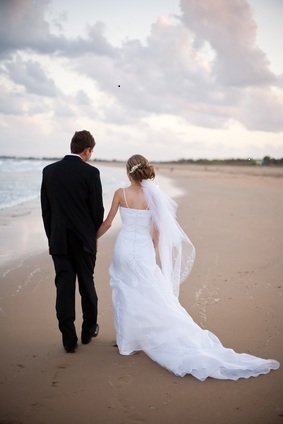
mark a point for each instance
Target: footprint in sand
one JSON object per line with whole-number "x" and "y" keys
{"x": 55, "y": 380}
{"x": 123, "y": 381}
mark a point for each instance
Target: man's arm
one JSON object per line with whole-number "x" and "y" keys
{"x": 45, "y": 208}
{"x": 96, "y": 200}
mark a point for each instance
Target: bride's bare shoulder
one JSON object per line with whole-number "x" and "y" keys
{"x": 119, "y": 193}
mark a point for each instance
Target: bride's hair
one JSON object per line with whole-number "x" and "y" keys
{"x": 139, "y": 168}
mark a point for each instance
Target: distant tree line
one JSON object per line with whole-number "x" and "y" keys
{"x": 266, "y": 161}
{"x": 248, "y": 162}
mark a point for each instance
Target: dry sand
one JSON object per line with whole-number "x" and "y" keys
{"x": 234, "y": 217}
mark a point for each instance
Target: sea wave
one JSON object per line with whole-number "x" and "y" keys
{"x": 20, "y": 181}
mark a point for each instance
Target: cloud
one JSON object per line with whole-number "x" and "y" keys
{"x": 11, "y": 103}
{"x": 200, "y": 71}
{"x": 230, "y": 29}
{"x": 162, "y": 77}
{"x": 31, "y": 75}
{"x": 172, "y": 74}
{"x": 82, "y": 98}
{"x": 23, "y": 26}
{"x": 262, "y": 109}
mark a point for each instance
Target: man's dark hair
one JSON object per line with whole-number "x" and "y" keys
{"x": 82, "y": 140}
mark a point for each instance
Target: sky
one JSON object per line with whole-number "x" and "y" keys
{"x": 168, "y": 79}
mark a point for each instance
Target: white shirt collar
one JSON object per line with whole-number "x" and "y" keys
{"x": 74, "y": 154}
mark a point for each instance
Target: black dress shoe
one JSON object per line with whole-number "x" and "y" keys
{"x": 88, "y": 335}
{"x": 71, "y": 349}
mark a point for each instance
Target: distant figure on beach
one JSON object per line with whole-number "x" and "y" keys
{"x": 72, "y": 212}
{"x": 148, "y": 315}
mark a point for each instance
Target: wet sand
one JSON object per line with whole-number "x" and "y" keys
{"x": 234, "y": 217}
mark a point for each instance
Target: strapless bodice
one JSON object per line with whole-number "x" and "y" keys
{"x": 135, "y": 220}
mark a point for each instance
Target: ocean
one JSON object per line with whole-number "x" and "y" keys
{"x": 20, "y": 180}
{"x": 21, "y": 228}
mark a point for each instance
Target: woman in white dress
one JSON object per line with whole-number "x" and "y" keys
{"x": 147, "y": 312}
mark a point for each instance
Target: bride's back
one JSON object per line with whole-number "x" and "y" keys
{"x": 133, "y": 197}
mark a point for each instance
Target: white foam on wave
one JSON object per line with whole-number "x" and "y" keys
{"x": 20, "y": 181}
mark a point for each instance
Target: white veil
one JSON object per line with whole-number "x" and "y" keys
{"x": 176, "y": 251}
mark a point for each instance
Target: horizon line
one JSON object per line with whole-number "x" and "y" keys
{"x": 180, "y": 160}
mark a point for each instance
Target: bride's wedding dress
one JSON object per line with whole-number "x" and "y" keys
{"x": 147, "y": 313}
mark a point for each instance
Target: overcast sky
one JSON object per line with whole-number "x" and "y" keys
{"x": 168, "y": 79}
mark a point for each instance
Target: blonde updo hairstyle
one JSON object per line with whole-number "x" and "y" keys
{"x": 138, "y": 168}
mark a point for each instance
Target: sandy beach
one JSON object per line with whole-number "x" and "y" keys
{"x": 233, "y": 215}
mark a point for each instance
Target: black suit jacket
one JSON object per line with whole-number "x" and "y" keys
{"x": 71, "y": 203}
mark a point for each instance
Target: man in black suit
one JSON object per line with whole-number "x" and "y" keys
{"x": 72, "y": 211}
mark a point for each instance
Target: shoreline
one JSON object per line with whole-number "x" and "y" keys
{"x": 23, "y": 223}
{"x": 234, "y": 290}
{"x": 22, "y": 232}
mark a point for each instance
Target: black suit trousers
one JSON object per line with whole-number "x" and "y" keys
{"x": 77, "y": 264}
